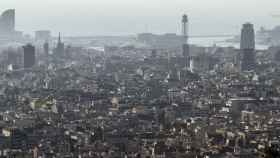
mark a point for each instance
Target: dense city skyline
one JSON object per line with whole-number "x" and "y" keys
{"x": 125, "y": 17}
{"x": 198, "y": 79}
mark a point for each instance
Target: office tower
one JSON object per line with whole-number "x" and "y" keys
{"x": 7, "y": 22}
{"x": 43, "y": 35}
{"x": 13, "y": 58}
{"x": 7, "y": 26}
{"x": 46, "y": 48}
{"x": 185, "y": 33}
{"x": 247, "y": 47}
{"x": 59, "y": 50}
{"x": 29, "y": 56}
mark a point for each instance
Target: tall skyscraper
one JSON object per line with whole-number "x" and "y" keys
{"x": 7, "y": 22}
{"x": 29, "y": 56}
{"x": 185, "y": 33}
{"x": 247, "y": 47}
{"x": 59, "y": 50}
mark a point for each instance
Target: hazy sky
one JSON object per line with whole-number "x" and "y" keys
{"x": 121, "y": 17}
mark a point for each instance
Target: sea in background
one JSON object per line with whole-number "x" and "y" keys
{"x": 220, "y": 41}
{"x": 100, "y": 42}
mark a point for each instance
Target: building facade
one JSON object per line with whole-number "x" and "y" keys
{"x": 29, "y": 56}
{"x": 7, "y": 22}
{"x": 247, "y": 47}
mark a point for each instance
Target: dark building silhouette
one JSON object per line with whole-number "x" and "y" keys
{"x": 59, "y": 50}
{"x": 186, "y": 54}
{"x": 29, "y": 56}
{"x": 186, "y": 49}
{"x": 247, "y": 47}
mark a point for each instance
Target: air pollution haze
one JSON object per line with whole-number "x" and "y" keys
{"x": 125, "y": 17}
{"x": 139, "y": 79}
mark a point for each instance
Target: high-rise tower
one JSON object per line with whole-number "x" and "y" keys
{"x": 7, "y": 22}
{"x": 185, "y": 33}
{"x": 29, "y": 56}
{"x": 247, "y": 47}
{"x": 60, "y": 47}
